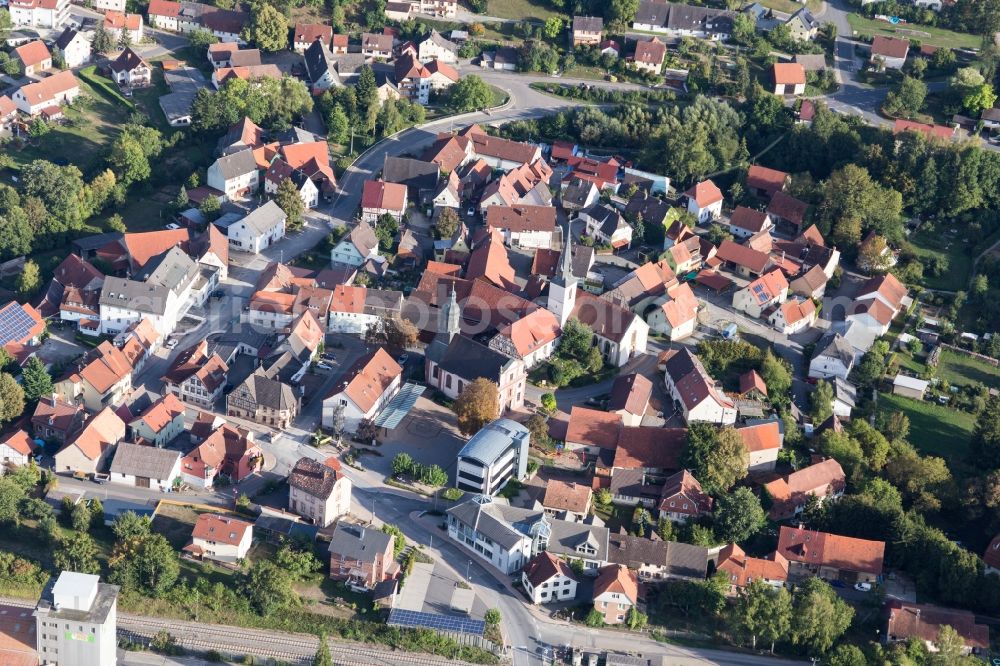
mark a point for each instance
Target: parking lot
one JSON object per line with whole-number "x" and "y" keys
{"x": 429, "y": 433}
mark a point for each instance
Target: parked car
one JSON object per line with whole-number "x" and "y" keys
{"x": 403, "y": 358}
{"x": 324, "y": 366}
{"x": 172, "y": 343}
{"x": 863, "y": 587}
{"x": 172, "y": 226}
{"x": 100, "y": 477}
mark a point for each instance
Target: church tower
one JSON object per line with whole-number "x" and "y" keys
{"x": 562, "y": 288}
{"x": 449, "y": 324}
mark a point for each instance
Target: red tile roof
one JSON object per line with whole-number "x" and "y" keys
{"x": 591, "y": 427}
{"x": 164, "y": 8}
{"x": 769, "y": 180}
{"x": 756, "y": 262}
{"x": 788, "y": 208}
{"x": 924, "y": 622}
{"x": 938, "y": 131}
{"x": 890, "y": 47}
{"x": 567, "y": 496}
{"x": 704, "y": 193}
{"x": 520, "y": 219}
{"x": 650, "y": 51}
{"x": 617, "y": 579}
{"x": 383, "y": 195}
{"x": 761, "y": 436}
{"x": 545, "y": 566}
{"x": 832, "y": 550}
{"x": 650, "y": 447}
{"x": 33, "y": 53}
{"x": 367, "y": 381}
{"x": 532, "y": 332}
{"x": 789, "y": 74}
{"x": 630, "y": 393}
{"x": 309, "y": 32}
{"x": 20, "y": 441}
{"x": 221, "y": 529}
{"x": 750, "y": 381}
{"x": 748, "y": 218}
{"x": 742, "y": 569}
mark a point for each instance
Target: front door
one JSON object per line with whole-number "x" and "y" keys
{"x": 142, "y": 482}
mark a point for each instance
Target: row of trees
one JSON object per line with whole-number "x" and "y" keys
{"x": 271, "y": 103}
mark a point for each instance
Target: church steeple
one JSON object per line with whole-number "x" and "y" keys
{"x": 562, "y": 288}
{"x": 449, "y": 323}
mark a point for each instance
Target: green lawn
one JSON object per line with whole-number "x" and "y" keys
{"x": 934, "y": 429}
{"x": 923, "y": 33}
{"x": 961, "y": 370}
{"x": 928, "y": 243}
{"x": 91, "y": 124}
{"x": 791, "y": 6}
{"x": 524, "y": 10}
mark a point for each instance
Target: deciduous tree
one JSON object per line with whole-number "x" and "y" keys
{"x": 267, "y": 587}
{"x": 477, "y": 405}
{"x": 763, "y": 612}
{"x": 268, "y": 28}
{"x": 11, "y": 398}
{"x": 29, "y": 280}
{"x": 738, "y": 516}
{"x": 820, "y": 617}
{"x": 77, "y": 552}
{"x": 288, "y": 199}
{"x": 717, "y": 458}
{"x": 447, "y": 222}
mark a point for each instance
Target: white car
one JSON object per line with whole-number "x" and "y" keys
{"x": 863, "y": 587}
{"x": 324, "y": 366}
{"x": 173, "y": 342}
{"x": 172, "y": 226}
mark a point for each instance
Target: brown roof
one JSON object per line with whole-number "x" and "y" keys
{"x": 650, "y": 51}
{"x": 650, "y": 447}
{"x": 741, "y": 255}
{"x": 832, "y": 550}
{"x": 442, "y": 268}
{"x": 693, "y": 383}
{"x": 106, "y": 366}
{"x": 992, "y": 554}
{"x": 504, "y": 149}
{"x": 380, "y": 194}
{"x": 221, "y": 529}
{"x": 788, "y": 208}
{"x": 812, "y": 234}
{"x": 447, "y": 151}
{"x": 808, "y": 283}
{"x": 617, "y": 578}
{"x": 368, "y": 379}
{"x": 310, "y": 32}
{"x": 631, "y": 393}
{"x": 761, "y": 436}
{"x": 924, "y": 622}
{"x": 522, "y": 218}
{"x": 748, "y": 218}
{"x": 821, "y": 479}
{"x": 750, "y": 381}
{"x": 164, "y": 8}
{"x": 316, "y": 478}
{"x": 490, "y": 261}
{"x": 742, "y": 569}
{"x": 376, "y": 42}
{"x": 196, "y": 362}
{"x": 567, "y": 496}
{"x": 608, "y": 320}
{"x": 588, "y": 24}
{"x": 591, "y": 427}
{"x": 683, "y": 486}
{"x": 544, "y": 566}
{"x": 769, "y": 180}
{"x": 789, "y": 73}
{"x": 891, "y": 289}
{"x": 890, "y": 47}
{"x": 54, "y": 413}
{"x": 33, "y": 53}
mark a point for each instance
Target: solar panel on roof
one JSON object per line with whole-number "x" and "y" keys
{"x": 416, "y": 619}
{"x": 15, "y": 323}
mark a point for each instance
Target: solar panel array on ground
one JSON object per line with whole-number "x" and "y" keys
{"x": 418, "y": 620}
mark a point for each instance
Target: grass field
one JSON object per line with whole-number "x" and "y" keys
{"x": 927, "y": 244}
{"x": 923, "y": 33}
{"x": 961, "y": 370}
{"x": 934, "y": 429}
{"x": 524, "y": 10}
{"x": 791, "y": 6}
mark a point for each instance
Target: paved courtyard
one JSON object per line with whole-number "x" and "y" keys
{"x": 429, "y": 433}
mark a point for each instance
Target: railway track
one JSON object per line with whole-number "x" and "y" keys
{"x": 297, "y": 649}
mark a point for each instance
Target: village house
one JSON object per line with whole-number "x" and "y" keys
{"x": 361, "y": 555}
{"x": 830, "y": 556}
{"x": 280, "y": 171}
{"x": 235, "y": 174}
{"x": 129, "y": 70}
{"x": 304, "y": 34}
{"x": 803, "y": 25}
{"x": 356, "y": 247}
{"x": 834, "y": 358}
{"x": 34, "y": 57}
{"x": 680, "y": 20}
{"x": 789, "y": 78}
{"x": 694, "y": 392}
{"x": 746, "y": 222}
{"x": 220, "y": 539}
{"x": 790, "y": 494}
{"x": 616, "y": 592}
{"x": 765, "y": 183}
{"x": 523, "y": 226}
{"x": 784, "y": 209}
{"x": 877, "y": 302}
{"x": 103, "y": 378}
{"x": 547, "y": 579}
{"x": 744, "y": 261}
{"x": 381, "y": 198}
{"x": 769, "y": 290}
{"x": 55, "y": 419}
{"x": 889, "y": 52}
{"x": 704, "y": 201}
{"x": 376, "y": 46}
{"x": 117, "y": 23}
{"x": 59, "y": 89}
{"x": 143, "y": 466}
{"x": 649, "y": 55}
{"x": 260, "y": 229}
{"x": 587, "y": 30}
{"x": 436, "y": 47}
{"x": 160, "y": 423}
{"x": 607, "y": 226}
{"x": 90, "y": 448}
{"x": 743, "y": 570}
{"x": 319, "y": 491}
{"x": 364, "y": 391}
{"x": 196, "y": 376}
{"x": 74, "y": 46}
{"x": 23, "y": 329}
{"x": 763, "y": 440}
{"x": 683, "y": 499}
{"x": 264, "y": 398}
{"x": 653, "y": 560}
{"x": 38, "y": 13}
{"x": 16, "y": 448}
{"x": 630, "y": 397}
{"x": 228, "y": 451}
{"x": 923, "y": 623}
{"x": 8, "y": 112}
{"x": 567, "y": 500}
{"x": 793, "y": 316}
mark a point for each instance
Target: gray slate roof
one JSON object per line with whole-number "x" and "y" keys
{"x": 261, "y": 220}
{"x": 134, "y": 295}
{"x": 680, "y": 559}
{"x": 146, "y": 461}
{"x": 358, "y": 542}
{"x": 836, "y": 346}
{"x": 237, "y": 164}
{"x": 415, "y": 174}
{"x": 268, "y": 392}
